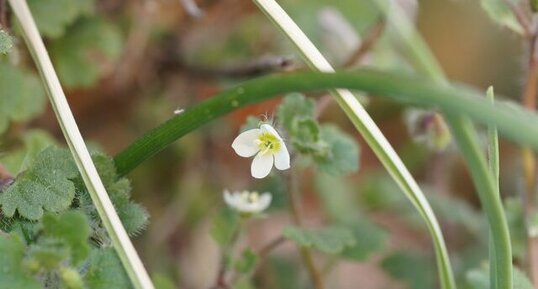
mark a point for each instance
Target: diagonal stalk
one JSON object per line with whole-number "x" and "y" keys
{"x": 125, "y": 249}
{"x": 493, "y": 162}
{"x": 466, "y": 138}
{"x": 369, "y": 130}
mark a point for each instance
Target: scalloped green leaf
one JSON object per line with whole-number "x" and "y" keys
{"x": 90, "y": 47}
{"x": 295, "y": 105}
{"x": 335, "y": 195}
{"x": 72, "y": 230}
{"x": 133, "y": 216}
{"x": 343, "y": 156}
{"x": 21, "y": 95}
{"x": 412, "y": 267}
{"x": 332, "y": 240}
{"x": 54, "y": 16}
{"x": 106, "y": 271}
{"x": 34, "y": 142}
{"x": 45, "y": 186}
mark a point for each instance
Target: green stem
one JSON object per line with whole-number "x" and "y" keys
{"x": 493, "y": 161}
{"x": 125, "y": 249}
{"x": 490, "y": 200}
{"x": 404, "y": 89}
{"x": 425, "y": 63}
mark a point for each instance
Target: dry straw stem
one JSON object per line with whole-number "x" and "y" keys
{"x": 132, "y": 263}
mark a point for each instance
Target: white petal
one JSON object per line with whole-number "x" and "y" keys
{"x": 245, "y": 143}
{"x": 248, "y": 207}
{"x": 268, "y": 128}
{"x": 282, "y": 158}
{"x": 261, "y": 165}
{"x": 264, "y": 201}
{"x": 230, "y": 199}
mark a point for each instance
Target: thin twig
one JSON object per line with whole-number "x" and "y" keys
{"x": 256, "y": 67}
{"x": 264, "y": 252}
{"x": 367, "y": 43}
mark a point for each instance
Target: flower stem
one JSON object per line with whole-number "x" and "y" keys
{"x": 131, "y": 262}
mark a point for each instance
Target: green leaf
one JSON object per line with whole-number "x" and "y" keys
{"x": 500, "y": 12}
{"x": 335, "y": 195}
{"x": 521, "y": 281}
{"x": 54, "y": 16}
{"x": 306, "y": 138}
{"x": 71, "y": 278}
{"x": 369, "y": 238}
{"x": 343, "y": 157}
{"x": 534, "y": 5}
{"x": 133, "y": 216}
{"x": 295, "y": 105}
{"x": 162, "y": 281}
{"x": 83, "y": 55}
{"x": 13, "y": 273}
{"x": 332, "y": 240}
{"x": 412, "y": 267}
{"x": 49, "y": 253}
{"x": 518, "y": 231}
{"x": 225, "y": 226}
{"x": 6, "y": 43}
{"x": 35, "y": 141}
{"x": 246, "y": 262}
{"x": 332, "y": 150}
{"x": 106, "y": 271}
{"x": 72, "y": 229}
{"x": 45, "y": 186}
{"x": 21, "y": 95}
{"x": 478, "y": 278}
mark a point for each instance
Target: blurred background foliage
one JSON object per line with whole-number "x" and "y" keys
{"x": 128, "y": 65}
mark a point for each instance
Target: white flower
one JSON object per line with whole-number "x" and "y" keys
{"x": 247, "y": 202}
{"x": 267, "y": 145}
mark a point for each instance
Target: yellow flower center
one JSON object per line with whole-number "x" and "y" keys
{"x": 250, "y": 197}
{"x": 268, "y": 143}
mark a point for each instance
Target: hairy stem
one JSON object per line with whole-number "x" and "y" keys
{"x": 125, "y": 249}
